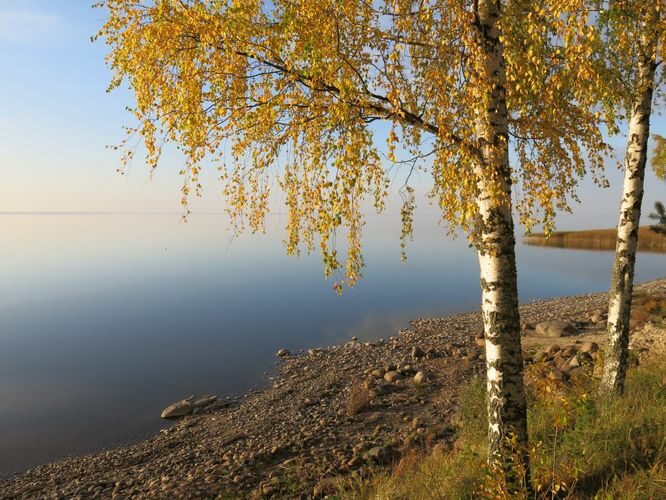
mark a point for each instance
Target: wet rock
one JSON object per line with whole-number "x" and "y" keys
{"x": 554, "y": 329}
{"x": 283, "y": 353}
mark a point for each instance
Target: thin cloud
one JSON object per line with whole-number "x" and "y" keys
{"x": 27, "y": 26}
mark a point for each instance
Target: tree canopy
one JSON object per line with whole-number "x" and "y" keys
{"x": 291, "y": 88}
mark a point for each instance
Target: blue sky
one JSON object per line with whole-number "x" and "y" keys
{"x": 56, "y": 119}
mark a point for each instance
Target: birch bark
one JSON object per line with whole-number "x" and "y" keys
{"x": 622, "y": 279}
{"x": 495, "y": 242}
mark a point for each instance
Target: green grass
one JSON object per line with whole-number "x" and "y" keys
{"x": 581, "y": 447}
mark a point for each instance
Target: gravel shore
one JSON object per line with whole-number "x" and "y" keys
{"x": 330, "y": 412}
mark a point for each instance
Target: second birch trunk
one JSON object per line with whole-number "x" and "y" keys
{"x": 622, "y": 280}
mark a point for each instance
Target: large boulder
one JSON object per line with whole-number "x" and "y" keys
{"x": 554, "y": 329}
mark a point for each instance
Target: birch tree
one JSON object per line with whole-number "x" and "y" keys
{"x": 295, "y": 89}
{"x": 636, "y": 35}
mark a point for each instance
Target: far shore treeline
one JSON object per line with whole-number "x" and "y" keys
{"x": 597, "y": 239}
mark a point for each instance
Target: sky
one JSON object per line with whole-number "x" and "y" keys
{"x": 56, "y": 121}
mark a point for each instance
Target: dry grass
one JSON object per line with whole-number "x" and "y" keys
{"x": 581, "y": 447}
{"x": 597, "y": 239}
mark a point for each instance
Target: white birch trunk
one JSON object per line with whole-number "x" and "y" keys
{"x": 622, "y": 280}
{"x": 495, "y": 242}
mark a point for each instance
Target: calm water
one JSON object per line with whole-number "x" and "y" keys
{"x": 106, "y": 319}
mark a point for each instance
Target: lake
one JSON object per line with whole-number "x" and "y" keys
{"x": 107, "y": 319}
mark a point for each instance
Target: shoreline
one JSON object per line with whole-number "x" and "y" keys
{"x": 597, "y": 239}
{"x": 298, "y": 430}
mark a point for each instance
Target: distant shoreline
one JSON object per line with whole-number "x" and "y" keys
{"x": 597, "y": 239}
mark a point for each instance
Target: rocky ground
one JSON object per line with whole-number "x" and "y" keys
{"x": 331, "y": 412}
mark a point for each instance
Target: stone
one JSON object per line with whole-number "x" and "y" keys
{"x": 527, "y": 325}
{"x": 551, "y": 349}
{"x": 589, "y": 347}
{"x": 569, "y": 352}
{"x": 554, "y": 329}
{"x": 471, "y": 353}
{"x": 178, "y": 409}
{"x": 556, "y": 374}
{"x": 420, "y": 378}
{"x": 406, "y": 370}
{"x": 379, "y": 454}
{"x": 561, "y": 362}
{"x": 282, "y": 353}
{"x": 205, "y": 400}
{"x": 378, "y": 373}
{"x": 480, "y": 342}
{"x": 392, "y": 376}
{"x": 417, "y": 352}
{"x": 184, "y": 407}
{"x": 585, "y": 359}
{"x": 597, "y": 316}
